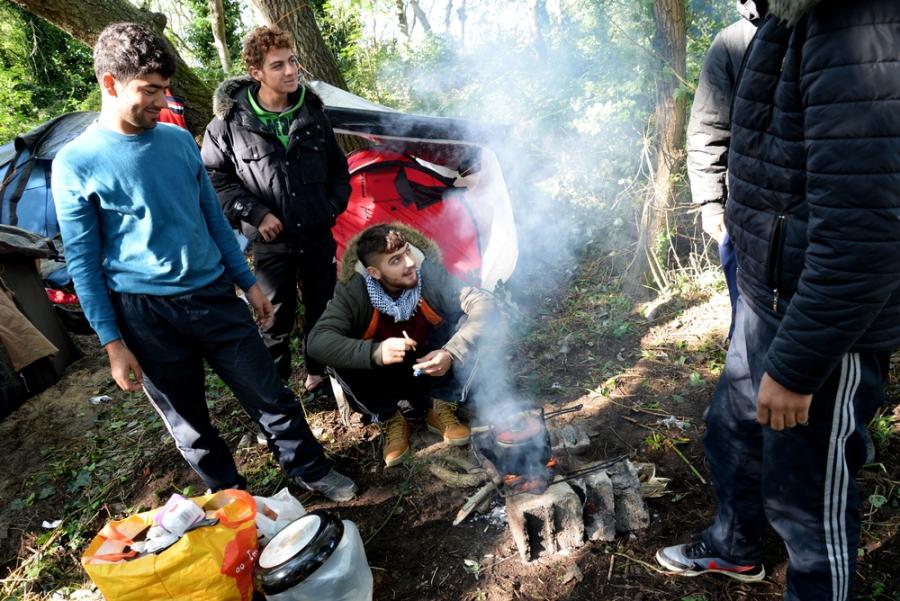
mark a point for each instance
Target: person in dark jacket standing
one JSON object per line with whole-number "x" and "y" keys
{"x": 709, "y": 133}
{"x": 279, "y": 172}
{"x": 813, "y": 210}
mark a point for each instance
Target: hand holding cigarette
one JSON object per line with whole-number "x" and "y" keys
{"x": 436, "y": 363}
{"x": 393, "y": 350}
{"x": 410, "y": 340}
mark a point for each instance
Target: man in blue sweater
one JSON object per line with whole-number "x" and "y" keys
{"x": 155, "y": 264}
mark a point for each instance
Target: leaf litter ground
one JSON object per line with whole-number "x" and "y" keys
{"x": 67, "y": 459}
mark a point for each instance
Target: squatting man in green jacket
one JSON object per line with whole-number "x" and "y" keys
{"x": 401, "y": 335}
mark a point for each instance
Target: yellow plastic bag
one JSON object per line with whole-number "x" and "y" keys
{"x": 210, "y": 562}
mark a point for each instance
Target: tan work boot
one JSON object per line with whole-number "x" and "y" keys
{"x": 396, "y": 440}
{"x": 442, "y": 420}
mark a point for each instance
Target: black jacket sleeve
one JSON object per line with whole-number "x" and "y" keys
{"x": 218, "y": 157}
{"x": 850, "y": 87}
{"x": 709, "y": 128}
{"x": 338, "y": 175}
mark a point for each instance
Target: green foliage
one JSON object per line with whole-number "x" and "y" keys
{"x": 580, "y": 108}
{"x": 882, "y": 426}
{"x": 199, "y": 39}
{"x": 341, "y": 30}
{"x": 43, "y": 72}
{"x": 654, "y": 442}
{"x": 877, "y": 501}
{"x": 705, "y": 19}
{"x": 696, "y": 379}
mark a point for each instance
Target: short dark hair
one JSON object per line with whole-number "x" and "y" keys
{"x": 132, "y": 50}
{"x": 262, "y": 39}
{"x": 378, "y": 240}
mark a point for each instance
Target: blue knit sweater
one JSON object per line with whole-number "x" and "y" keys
{"x": 138, "y": 215}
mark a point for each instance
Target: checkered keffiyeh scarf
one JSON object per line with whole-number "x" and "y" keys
{"x": 401, "y": 308}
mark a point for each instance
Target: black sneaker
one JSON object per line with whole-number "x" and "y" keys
{"x": 694, "y": 559}
{"x": 333, "y": 485}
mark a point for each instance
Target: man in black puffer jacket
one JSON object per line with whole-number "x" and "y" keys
{"x": 273, "y": 159}
{"x": 814, "y": 211}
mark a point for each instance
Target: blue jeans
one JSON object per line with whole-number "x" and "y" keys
{"x": 729, "y": 266}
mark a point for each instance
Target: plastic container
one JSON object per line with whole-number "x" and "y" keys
{"x": 316, "y": 558}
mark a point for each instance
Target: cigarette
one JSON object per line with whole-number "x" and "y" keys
{"x": 405, "y": 335}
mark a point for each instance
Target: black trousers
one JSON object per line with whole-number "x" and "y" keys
{"x": 801, "y": 480}
{"x": 279, "y": 270}
{"x": 171, "y": 336}
{"x": 379, "y": 392}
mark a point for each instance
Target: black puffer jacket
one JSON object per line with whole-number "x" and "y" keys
{"x": 305, "y": 186}
{"x": 814, "y": 177}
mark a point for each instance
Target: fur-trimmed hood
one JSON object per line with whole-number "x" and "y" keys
{"x": 230, "y": 92}
{"x": 426, "y": 247}
{"x": 790, "y": 11}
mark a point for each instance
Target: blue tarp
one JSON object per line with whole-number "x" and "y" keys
{"x": 28, "y": 203}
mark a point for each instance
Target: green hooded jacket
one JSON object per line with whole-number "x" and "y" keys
{"x": 336, "y": 340}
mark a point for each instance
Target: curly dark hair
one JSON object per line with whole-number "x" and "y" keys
{"x": 378, "y": 239}
{"x": 131, "y": 50}
{"x": 259, "y": 41}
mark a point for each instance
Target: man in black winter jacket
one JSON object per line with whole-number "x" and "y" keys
{"x": 273, "y": 159}
{"x": 814, "y": 211}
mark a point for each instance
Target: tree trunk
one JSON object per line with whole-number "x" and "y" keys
{"x": 401, "y": 17}
{"x": 85, "y": 19}
{"x": 448, "y": 15}
{"x": 670, "y": 117}
{"x": 540, "y": 21}
{"x": 296, "y": 16}
{"x": 217, "y": 21}
{"x": 420, "y": 15}
{"x": 461, "y": 13}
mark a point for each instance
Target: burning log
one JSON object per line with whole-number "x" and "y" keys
{"x": 483, "y": 493}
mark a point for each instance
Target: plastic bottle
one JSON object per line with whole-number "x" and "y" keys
{"x": 316, "y": 558}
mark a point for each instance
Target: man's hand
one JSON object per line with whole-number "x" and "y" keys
{"x": 779, "y": 407}
{"x": 124, "y": 366}
{"x": 436, "y": 363}
{"x": 393, "y": 350}
{"x": 714, "y": 225}
{"x": 262, "y": 307}
{"x": 270, "y": 227}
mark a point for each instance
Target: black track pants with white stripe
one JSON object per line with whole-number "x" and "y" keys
{"x": 171, "y": 337}
{"x": 801, "y": 480}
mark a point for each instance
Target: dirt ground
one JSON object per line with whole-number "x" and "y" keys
{"x": 65, "y": 458}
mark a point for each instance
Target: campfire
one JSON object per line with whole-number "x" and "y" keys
{"x": 554, "y": 501}
{"x": 516, "y": 453}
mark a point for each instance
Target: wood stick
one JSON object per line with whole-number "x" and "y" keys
{"x": 689, "y": 464}
{"x": 473, "y": 502}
